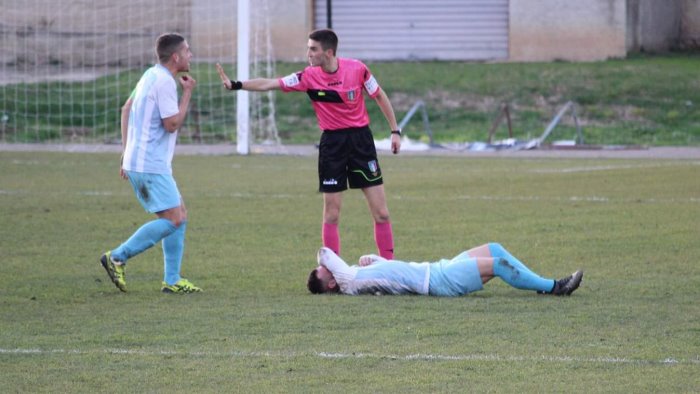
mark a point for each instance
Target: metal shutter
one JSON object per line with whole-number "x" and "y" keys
{"x": 418, "y": 29}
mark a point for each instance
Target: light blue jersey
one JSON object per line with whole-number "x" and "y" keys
{"x": 444, "y": 278}
{"x": 149, "y": 147}
{"x": 381, "y": 277}
{"x": 388, "y": 277}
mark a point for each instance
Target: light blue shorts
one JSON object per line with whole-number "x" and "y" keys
{"x": 456, "y": 277}
{"x": 156, "y": 192}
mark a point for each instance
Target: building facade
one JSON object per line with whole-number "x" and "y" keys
{"x": 73, "y": 33}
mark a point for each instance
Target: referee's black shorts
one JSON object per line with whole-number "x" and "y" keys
{"x": 347, "y": 156}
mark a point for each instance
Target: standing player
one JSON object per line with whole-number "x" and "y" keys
{"x": 150, "y": 120}
{"x": 346, "y": 152}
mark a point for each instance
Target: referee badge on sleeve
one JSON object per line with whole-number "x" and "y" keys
{"x": 292, "y": 80}
{"x": 371, "y": 85}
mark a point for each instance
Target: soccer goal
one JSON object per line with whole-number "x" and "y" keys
{"x": 67, "y": 66}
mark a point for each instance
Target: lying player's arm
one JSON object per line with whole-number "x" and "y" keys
{"x": 369, "y": 259}
{"x": 339, "y": 268}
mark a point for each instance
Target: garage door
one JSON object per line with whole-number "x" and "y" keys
{"x": 418, "y": 29}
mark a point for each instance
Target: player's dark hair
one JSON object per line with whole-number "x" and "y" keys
{"x": 167, "y": 44}
{"x": 314, "y": 284}
{"x": 327, "y": 38}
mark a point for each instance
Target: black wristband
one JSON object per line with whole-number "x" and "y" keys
{"x": 396, "y": 132}
{"x": 236, "y": 85}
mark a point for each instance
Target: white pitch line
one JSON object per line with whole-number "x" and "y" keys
{"x": 598, "y": 199}
{"x": 595, "y": 199}
{"x": 610, "y": 167}
{"x": 328, "y": 355}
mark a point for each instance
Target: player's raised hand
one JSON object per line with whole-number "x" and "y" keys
{"x": 187, "y": 82}
{"x": 224, "y": 78}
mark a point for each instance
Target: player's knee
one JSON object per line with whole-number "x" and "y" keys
{"x": 182, "y": 218}
{"x": 331, "y": 216}
{"x": 496, "y": 249}
{"x": 330, "y": 219}
{"x": 382, "y": 217}
{"x": 176, "y": 216}
{"x": 183, "y": 214}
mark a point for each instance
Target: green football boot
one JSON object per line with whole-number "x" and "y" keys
{"x": 116, "y": 272}
{"x": 182, "y": 286}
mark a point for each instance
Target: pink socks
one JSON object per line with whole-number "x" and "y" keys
{"x": 331, "y": 237}
{"x": 384, "y": 237}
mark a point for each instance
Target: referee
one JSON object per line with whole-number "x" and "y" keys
{"x": 347, "y": 155}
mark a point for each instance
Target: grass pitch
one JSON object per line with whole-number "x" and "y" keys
{"x": 642, "y": 100}
{"x": 254, "y": 228}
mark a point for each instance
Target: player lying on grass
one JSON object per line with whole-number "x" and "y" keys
{"x": 465, "y": 273}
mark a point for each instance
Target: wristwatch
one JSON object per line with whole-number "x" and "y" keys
{"x": 397, "y": 131}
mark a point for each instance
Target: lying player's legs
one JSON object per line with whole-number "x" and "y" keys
{"x": 479, "y": 251}
{"x": 514, "y": 272}
{"x": 496, "y": 250}
{"x": 518, "y": 276}
{"x": 456, "y": 277}
{"x": 485, "y": 266}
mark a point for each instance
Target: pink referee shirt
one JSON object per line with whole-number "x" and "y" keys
{"x": 336, "y": 97}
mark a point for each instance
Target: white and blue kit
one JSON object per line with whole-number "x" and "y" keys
{"x": 147, "y": 160}
{"x": 149, "y": 150}
{"x": 150, "y": 147}
{"x": 447, "y": 278}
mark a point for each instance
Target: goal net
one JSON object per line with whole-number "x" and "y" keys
{"x": 67, "y": 66}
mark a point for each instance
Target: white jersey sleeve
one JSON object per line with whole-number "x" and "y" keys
{"x": 342, "y": 273}
{"x": 167, "y": 99}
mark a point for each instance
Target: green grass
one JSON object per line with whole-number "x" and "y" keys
{"x": 254, "y": 225}
{"x": 641, "y": 100}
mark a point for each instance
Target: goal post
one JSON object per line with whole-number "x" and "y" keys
{"x": 243, "y": 73}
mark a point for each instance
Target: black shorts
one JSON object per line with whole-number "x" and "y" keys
{"x": 347, "y": 156}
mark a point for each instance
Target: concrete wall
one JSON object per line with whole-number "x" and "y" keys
{"x": 97, "y": 33}
{"x": 82, "y": 33}
{"x": 69, "y": 33}
{"x": 653, "y": 25}
{"x": 690, "y": 25}
{"x": 214, "y": 29}
{"x": 575, "y": 30}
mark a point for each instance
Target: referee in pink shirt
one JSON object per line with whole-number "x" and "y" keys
{"x": 347, "y": 155}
